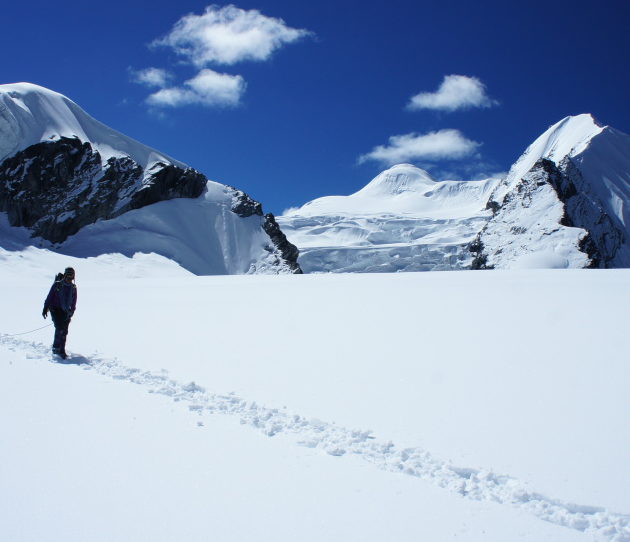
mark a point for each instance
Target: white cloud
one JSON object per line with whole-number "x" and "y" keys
{"x": 207, "y": 88}
{"x": 441, "y": 145}
{"x": 228, "y": 35}
{"x": 151, "y": 77}
{"x": 455, "y": 92}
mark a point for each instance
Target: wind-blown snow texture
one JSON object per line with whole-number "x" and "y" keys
{"x": 86, "y": 189}
{"x": 564, "y": 203}
{"x": 481, "y": 436}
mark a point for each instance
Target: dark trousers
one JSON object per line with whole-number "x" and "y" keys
{"x": 61, "y": 321}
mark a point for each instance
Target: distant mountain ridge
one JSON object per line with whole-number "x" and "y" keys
{"x": 81, "y": 188}
{"x": 403, "y": 220}
{"x": 564, "y": 203}
{"x": 85, "y": 189}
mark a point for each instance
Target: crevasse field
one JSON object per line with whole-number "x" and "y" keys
{"x": 471, "y": 406}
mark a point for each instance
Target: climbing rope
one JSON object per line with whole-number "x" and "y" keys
{"x": 26, "y": 332}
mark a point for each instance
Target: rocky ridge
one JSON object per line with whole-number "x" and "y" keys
{"x": 569, "y": 209}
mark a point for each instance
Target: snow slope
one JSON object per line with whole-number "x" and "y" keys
{"x": 403, "y": 220}
{"x": 30, "y": 114}
{"x": 202, "y": 235}
{"x": 600, "y": 152}
{"x": 83, "y": 189}
{"x": 375, "y": 407}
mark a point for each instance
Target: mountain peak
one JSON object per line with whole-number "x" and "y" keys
{"x": 31, "y": 114}
{"x": 568, "y": 137}
{"x": 24, "y": 87}
{"x": 397, "y": 180}
{"x": 85, "y": 189}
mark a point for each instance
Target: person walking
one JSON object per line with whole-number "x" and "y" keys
{"x": 61, "y": 302}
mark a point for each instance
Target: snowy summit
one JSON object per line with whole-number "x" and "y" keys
{"x": 403, "y": 220}
{"x": 72, "y": 184}
{"x": 31, "y": 114}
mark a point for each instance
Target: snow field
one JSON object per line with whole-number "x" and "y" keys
{"x": 504, "y": 388}
{"x": 337, "y": 441}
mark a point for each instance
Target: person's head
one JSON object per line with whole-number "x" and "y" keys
{"x": 68, "y": 274}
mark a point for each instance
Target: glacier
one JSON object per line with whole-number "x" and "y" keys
{"x": 563, "y": 204}
{"x": 403, "y": 220}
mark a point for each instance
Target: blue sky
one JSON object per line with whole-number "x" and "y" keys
{"x": 292, "y": 100}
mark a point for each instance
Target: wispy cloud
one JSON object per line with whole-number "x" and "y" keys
{"x": 455, "y": 92}
{"x": 440, "y": 145}
{"x": 207, "y": 88}
{"x": 151, "y": 77}
{"x": 227, "y": 35}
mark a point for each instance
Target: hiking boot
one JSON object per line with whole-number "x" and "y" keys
{"x": 62, "y": 354}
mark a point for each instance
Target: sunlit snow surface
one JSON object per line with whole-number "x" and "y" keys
{"x": 30, "y": 114}
{"x": 202, "y": 235}
{"x": 486, "y": 406}
{"x": 403, "y": 220}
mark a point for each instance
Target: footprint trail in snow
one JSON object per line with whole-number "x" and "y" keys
{"x": 475, "y": 484}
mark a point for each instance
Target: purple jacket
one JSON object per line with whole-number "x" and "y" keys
{"x": 62, "y": 295}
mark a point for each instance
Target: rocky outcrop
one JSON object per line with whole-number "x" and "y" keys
{"x": 244, "y": 206}
{"x": 584, "y": 210}
{"x": 164, "y": 182}
{"x": 288, "y": 250}
{"x": 55, "y": 188}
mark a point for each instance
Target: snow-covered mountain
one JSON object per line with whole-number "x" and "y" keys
{"x": 403, "y": 220}
{"x": 84, "y": 189}
{"x": 564, "y": 203}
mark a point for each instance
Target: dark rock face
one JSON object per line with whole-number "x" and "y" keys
{"x": 34, "y": 185}
{"x": 245, "y": 206}
{"x": 166, "y": 182}
{"x": 289, "y": 251}
{"x": 57, "y": 187}
{"x": 480, "y": 260}
{"x": 583, "y": 210}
